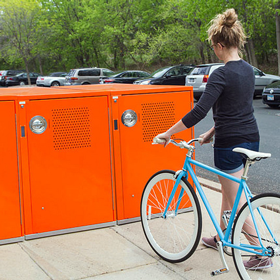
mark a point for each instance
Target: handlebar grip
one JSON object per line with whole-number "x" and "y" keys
{"x": 157, "y": 140}
{"x": 200, "y": 140}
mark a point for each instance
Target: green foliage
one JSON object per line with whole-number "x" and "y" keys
{"x": 118, "y": 34}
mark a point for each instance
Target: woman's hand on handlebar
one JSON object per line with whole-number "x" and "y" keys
{"x": 207, "y": 137}
{"x": 164, "y": 136}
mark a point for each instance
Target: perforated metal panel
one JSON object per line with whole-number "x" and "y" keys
{"x": 157, "y": 118}
{"x": 71, "y": 128}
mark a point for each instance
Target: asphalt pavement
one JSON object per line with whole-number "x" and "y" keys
{"x": 263, "y": 176}
{"x": 117, "y": 252}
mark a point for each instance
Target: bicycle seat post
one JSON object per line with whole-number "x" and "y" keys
{"x": 246, "y": 169}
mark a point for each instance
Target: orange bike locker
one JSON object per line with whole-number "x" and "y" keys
{"x": 10, "y": 212}
{"x": 70, "y": 168}
{"x": 156, "y": 108}
{"x": 65, "y": 172}
{"x": 70, "y": 162}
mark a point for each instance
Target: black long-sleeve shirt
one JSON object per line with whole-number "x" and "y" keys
{"x": 229, "y": 92}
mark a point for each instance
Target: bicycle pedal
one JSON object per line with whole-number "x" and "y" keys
{"x": 219, "y": 271}
{"x": 222, "y": 256}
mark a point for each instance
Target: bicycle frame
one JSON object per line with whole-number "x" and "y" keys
{"x": 242, "y": 187}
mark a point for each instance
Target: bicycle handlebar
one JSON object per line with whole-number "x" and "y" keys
{"x": 182, "y": 144}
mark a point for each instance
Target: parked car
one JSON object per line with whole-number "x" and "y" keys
{"x": 52, "y": 80}
{"x": 21, "y": 79}
{"x": 86, "y": 76}
{"x": 198, "y": 78}
{"x": 271, "y": 95}
{"x": 125, "y": 77}
{"x": 8, "y": 73}
{"x": 262, "y": 80}
{"x": 171, "y": 75}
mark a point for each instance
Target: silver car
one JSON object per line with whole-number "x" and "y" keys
{"x": 53, "y": 80}
{"x": 198, "y": 78}
{"x": 87, "y": 76}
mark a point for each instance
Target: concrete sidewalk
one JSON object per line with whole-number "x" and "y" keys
{"x": 118, "y": 252}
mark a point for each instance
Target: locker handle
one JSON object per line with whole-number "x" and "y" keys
{"x": 115, "y": 124}
{"x": 22, "y": 131}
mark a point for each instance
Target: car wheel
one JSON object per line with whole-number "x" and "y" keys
{"x": 55, "y": 84}
{"x": 85, "y": 84}
{"x": 22, "y": 83}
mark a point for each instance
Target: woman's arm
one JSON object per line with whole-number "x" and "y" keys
{"x": 178, "y": 127}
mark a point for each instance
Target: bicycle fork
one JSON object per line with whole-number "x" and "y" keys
{"x": 178, "y": 176}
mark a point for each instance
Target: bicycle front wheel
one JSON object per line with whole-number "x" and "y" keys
{"x": 266, "y": 210}
{"x": 175, "y": 237}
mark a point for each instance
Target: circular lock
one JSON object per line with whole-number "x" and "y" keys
{"x": 38, "y": 124}
{"x": 129, "y": 118}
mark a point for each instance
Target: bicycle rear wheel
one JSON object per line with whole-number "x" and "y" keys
{"x": 175, "y": 237}
{"x": 266, "y": 208}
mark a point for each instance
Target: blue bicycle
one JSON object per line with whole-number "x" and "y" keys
{"x": 172, "y": 221}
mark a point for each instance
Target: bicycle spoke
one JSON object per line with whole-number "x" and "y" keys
{"x": 176, "y": 236}
{"x": 267, "y": 216}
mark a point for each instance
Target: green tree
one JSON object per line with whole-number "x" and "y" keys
{"x": 20, "y": 30}
{"x": 118, "y": 34}
{"x": 129, "y": 25}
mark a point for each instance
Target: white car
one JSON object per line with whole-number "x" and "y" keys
{"x": 54, "y": 79}
{"x": 198, "y": 78}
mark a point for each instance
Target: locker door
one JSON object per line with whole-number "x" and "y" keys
{"x": 9, "y": 187}
{"x": 140, "y": 159}
{"x": 70, "y": 167}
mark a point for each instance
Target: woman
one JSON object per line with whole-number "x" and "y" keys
{"x": 229, "y": 92}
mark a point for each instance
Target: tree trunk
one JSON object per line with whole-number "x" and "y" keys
{"x": 201, "y": 49}
{"x": 278, "y": 39}
{"x": 27, "y": 70}
{"x": 251, "y": 53}
{"x": 209, "y": 58}
{"x": 96, "y": 57}
{"x": 40, "y": 65}
{"x": 115, "y": 59}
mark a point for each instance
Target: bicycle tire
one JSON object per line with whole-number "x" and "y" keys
{"x": 176, "y": 237}
{"x": 269, "y": 206}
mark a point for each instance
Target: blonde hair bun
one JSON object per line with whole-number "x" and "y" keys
{"x": 227, "y": 29}
{"x": 228, "y": 18}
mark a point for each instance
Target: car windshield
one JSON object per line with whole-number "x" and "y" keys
{"x": 114, "y": 74}
{"x": 160, "y": 72}
{"x": 58, "y": 74}
{"x": 71, "y": 72}
{"x": 258, "y": 72}
{"x": 20, "y": 74}
{"x": 274, "y": 85}
{"x": 107, "y": 72}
